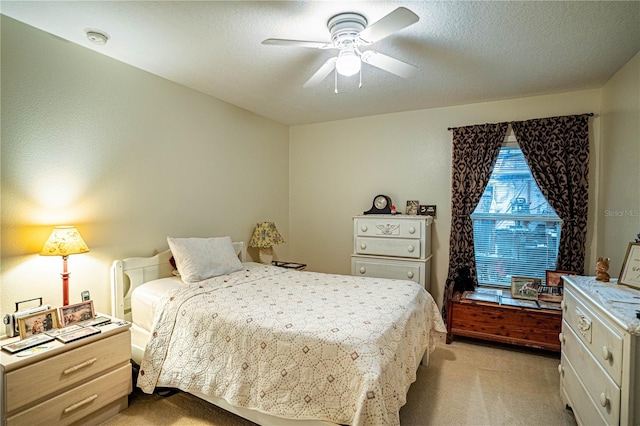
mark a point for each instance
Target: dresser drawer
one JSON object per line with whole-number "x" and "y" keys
{"x": 78, "y": 402}
{"x": 602, "y": 342}
{"x": 387, "y": 268}
{"x": 583, "y": 407}
{"x": 389, "y": 228}
{"x": 602, "y": 390}
{"x": 388, "y": 247}
{"x": 37, "y": 380}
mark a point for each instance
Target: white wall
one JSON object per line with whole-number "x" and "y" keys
{"x": 618, "y": 215}
{"x": 127, "y": 157}
{"x": 338, "y": 167}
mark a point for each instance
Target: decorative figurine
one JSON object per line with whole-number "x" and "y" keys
{"x": 602, "y": 266}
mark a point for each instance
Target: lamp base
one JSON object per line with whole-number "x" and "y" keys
{"x": 266, "y": 255}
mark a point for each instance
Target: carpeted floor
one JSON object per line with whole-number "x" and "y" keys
{"x": 467, "y": 383}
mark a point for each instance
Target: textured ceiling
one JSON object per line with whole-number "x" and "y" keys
{"x": 466, "y": 52}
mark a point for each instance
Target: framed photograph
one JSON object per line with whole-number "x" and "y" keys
{"x": 554, "y": 278}
{"x": 72, "y": 314}
{"x": 58, "y": 331}
{"x": 78, "y": 334}
{"x": 412, "y": 207}
{"x": 550, "y": 293}
{"x": 525, "y": 287}
{"x": 630, "y": 272}
{"x": 519, "y": 303}
{"x": 37, "y": 323}
{"x": 27, "y": 343}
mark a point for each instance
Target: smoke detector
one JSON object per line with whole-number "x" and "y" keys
{"x": 97, "y": 36}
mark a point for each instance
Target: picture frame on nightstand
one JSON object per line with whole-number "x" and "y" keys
{"x": 72, "y": 314}
{"x": 38, "y": 323}
{"x": 630, "y": 272}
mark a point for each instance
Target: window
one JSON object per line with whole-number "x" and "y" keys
{"x": 516, "y": 231}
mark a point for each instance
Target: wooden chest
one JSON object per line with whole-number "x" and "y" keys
{"x": 536, "y": 328}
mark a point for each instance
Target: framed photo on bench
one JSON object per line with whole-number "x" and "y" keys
{"x": 525, "y": 287}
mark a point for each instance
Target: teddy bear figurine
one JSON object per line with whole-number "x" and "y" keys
{"x": 602, "y": 266}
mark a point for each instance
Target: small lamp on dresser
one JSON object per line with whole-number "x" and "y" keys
{"x": 265, "y": 236}
{"x": 63, "y": 241}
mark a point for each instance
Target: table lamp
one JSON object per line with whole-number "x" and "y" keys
{"x": 63, "y": 241}
{"x": 265, "y": 236}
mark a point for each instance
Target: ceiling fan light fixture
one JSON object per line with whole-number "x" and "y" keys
{"x": 348, "y": 63}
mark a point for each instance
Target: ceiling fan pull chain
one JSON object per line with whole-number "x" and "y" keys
{"x": 360, "y": 85}
{"x": 335, "y": 72}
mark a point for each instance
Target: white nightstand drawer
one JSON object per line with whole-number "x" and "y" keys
{"x": 597, "y": 383}
{"x": 387, "y": 247}
{"x": 598, "y": 337}
{"x": 37, "y": 380}
{"x": 78, "y": 402}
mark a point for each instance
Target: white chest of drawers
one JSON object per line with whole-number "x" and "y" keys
{"x": 599, "y": 367}
{"x": 85, "y": 381}
{"x": 392, "y": 246}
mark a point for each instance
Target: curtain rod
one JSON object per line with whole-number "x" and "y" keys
{"x": 590, "y": 114}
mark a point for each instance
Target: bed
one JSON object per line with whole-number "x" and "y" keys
{"x": 277, "y": 346}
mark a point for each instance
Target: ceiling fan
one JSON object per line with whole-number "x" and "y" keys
{"x": 349, "y": 32}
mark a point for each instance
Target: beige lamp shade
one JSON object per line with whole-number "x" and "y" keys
{"x": 63, "y": 241}
{"x": 265, "y": 236}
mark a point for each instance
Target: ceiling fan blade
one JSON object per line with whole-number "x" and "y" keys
{"x": 298, "y": 43}
{"x": 322, "y": 73}
{"x": 387, "y": 63}
{"x": 394, "y": 21}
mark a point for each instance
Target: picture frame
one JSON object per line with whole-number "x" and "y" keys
{"x": 412, "y": 207}
{"x": 519, "y": 303}
{"x": 630, "y": 272}
{"x": 554, "y": 278}
{"x": 525, "y": 287}
{"x": 28, "y": 343}
{"x": 79, "y": 312}
{"x": 78, "y": 334}
{"x": 37, "y": 323}
{"x": 58, "y": 331}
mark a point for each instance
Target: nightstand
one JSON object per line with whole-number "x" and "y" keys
{"x": 86, "y": 380}
{"x": 289, "y": 265}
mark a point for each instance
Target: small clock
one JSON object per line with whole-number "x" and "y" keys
{"x": 381, "y": 205}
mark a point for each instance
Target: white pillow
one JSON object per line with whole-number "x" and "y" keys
{"x": 200, "y": 258}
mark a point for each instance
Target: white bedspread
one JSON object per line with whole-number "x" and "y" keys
{"x": 298, "y": 345}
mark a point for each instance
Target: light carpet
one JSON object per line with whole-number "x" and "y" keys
{"x": 467, "y": 383}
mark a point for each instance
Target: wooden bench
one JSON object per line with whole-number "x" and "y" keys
{"x": 536, "y": 328}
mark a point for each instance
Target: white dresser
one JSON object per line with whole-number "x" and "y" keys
{"x": 392, "y": 246}
{"x": 599, "y": 375}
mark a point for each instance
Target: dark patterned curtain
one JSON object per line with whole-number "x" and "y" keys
{"x": 557, "y": 152}
{"x": 475, "y": 150}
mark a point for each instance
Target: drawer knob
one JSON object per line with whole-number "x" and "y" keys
{"x": 363, "y": 246}
{"x": 409, "y": 274}
{"x": 606, "y": 353}
{"x": 604, "y": 401}
{"x": 410, "y": 249}
{"x": 412, "y": 230}
{"x": 560, "y": 370}
{"x": 561, "y": 338}
{"x": 563, "y": 305}
{"x": 363, "y": 269}
{"x": 364, "y": 228}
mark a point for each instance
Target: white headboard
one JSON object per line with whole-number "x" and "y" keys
{"x": 129, "y": 273}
